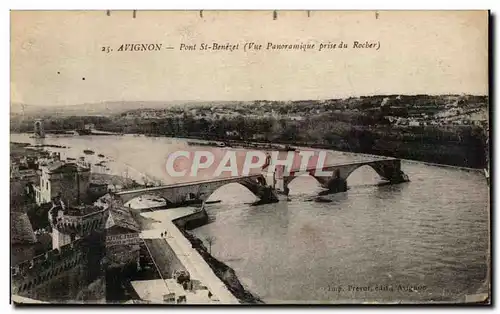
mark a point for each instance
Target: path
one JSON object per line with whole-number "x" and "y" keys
{"x": 188, "y": 256}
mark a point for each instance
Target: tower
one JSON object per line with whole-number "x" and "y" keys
{"x": 70, "y": 223}
{"x": 68, "y": 181}
{"x": 39, "y": 131}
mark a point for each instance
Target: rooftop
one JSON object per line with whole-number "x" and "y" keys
{"x": 21, "y": 229}
{"x": 121, "y": 217}
{"x": 81, "y": 210}
{"x": 77, "y": 210}
{"x": 63, "y": 167}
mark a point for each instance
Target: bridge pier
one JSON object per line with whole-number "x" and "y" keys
{"x": 337, "y": 185}
{"x": 334, "y": 181}
{"x": 387, "y": 169}
{"x": 267, "y": 195}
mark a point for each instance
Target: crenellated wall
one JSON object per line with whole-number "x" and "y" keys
{"x": 29, "y": 274}
{"x": 67, "y": 254}
{"x": 79, "y": 225}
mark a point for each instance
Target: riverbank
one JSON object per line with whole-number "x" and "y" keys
{"x": 297, "y": 146}
{"x": 411, "y": 152}
{"x": 115, "y": 180}
{"x": 183, "y": 254}
{"x": 225, "y": 273}
{"x": 191, "y": 220}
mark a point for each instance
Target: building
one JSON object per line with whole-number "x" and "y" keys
{"x": 233, "y": 133}
{"x": 89, "y": 126}
{"x": 77, "y": 237}
{"x": 67, "y": 181}
{"x": 122, "y": 238}
{"x": 70, "y": 223}
{"x": 97, "y": 190}
{"x": 38, "y": 128}
{"x": 122, "y": 233}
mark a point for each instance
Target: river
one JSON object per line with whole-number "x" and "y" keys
{"x": 422, "y": 240}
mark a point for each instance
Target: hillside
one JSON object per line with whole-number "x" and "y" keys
{"x": 447, "y": 129}
{"x": 106, "y": 108}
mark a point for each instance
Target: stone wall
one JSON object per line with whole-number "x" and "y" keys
{"x": 29, "y": 275}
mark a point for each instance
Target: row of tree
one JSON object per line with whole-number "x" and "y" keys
{"x": 364, "y": 132}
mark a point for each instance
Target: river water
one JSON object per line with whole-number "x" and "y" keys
{"x": 422, "y": 240}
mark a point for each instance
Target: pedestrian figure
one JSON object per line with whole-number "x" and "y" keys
{"x": 166, "y": 233}
{"x": 162, "y": 234}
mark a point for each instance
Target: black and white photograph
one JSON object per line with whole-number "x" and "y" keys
{"x": 249, "y": 157}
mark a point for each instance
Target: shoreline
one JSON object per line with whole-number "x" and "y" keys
{"x": 276, "y": 145}
{"x": 224, "y": 272}
{"x": 191, "y": 253}
{"x": 248, "y": 145}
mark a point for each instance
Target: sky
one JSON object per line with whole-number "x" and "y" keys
{"x": 56, "y": 56}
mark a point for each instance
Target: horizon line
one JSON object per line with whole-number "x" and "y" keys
{"x": 250, "y": 100}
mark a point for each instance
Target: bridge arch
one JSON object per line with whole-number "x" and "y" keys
{"x": 389, "y": 170}
{"x": 151, "y": 194}
{"x": 369, "y": 172}
{"x": 177, "y": 193}
{"x": 245, "y": 185}
{"x": 319, "y": 181}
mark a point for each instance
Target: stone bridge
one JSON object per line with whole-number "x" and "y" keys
{"x": 201, "y": 190}
{"x": 388, "y": 169}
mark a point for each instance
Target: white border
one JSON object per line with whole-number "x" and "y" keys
{"x": 193, "y": 5}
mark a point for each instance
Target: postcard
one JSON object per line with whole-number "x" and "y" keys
{"x": 250, "y": 157}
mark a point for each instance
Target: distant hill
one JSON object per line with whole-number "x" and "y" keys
{"x": 106, "y": 108}
{"x": 110, "y": 108}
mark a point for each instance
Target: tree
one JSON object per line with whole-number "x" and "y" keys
{"x": 210, "y": 240}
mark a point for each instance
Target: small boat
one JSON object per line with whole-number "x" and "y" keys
{"x": 263, "y": 202}
{"x": 213, "y": 202}
{"x": 89, "y": 152}
{"x": 322, "y": 200}
{"x": 191, "y": 202}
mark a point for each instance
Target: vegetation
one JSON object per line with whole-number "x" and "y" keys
{"x": 210, "y": 241}
{"x": 362, "y": 125}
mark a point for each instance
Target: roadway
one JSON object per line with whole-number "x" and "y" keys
{"x": 163, "y": 257}
{"x": 186, "y": 255}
